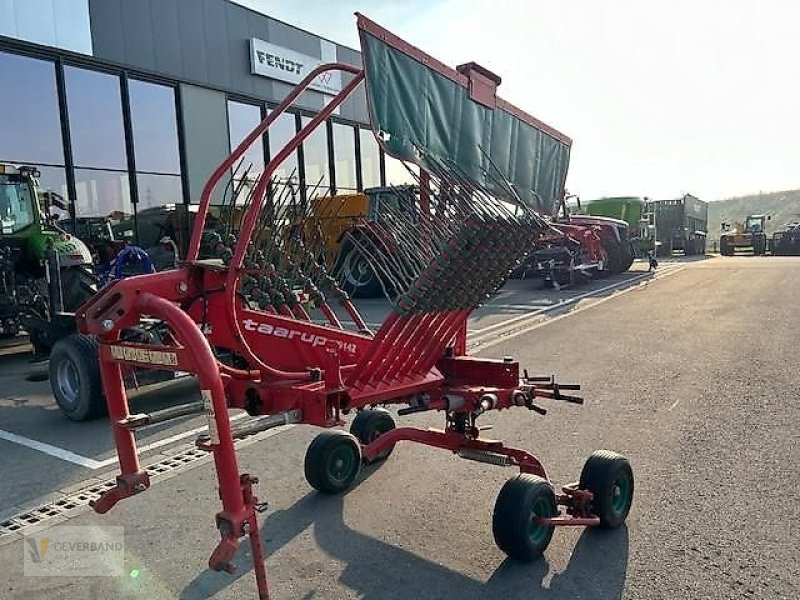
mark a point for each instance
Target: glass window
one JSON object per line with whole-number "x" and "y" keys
{"x": 344, "y": 156}
{"x": 54, "y": 180}
{"x": 160, "y": 213}
{"x": 242, "y": 119}
{"x": 155, "y": 127}
{"x": 95, "y": 119}
{"x": 315, "y": 157}
{"x": 397, "y": 173}
{"x": 17, "y": 208}
{"x": 158, "y": 190}
{"x": 105, "y": 194}
{"x": 31, "y": 128}
{"x": 280, "y": 132}
{"x": 370, "y": 159}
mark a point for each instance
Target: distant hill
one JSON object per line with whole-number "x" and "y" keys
{"x": 782, "y": 206}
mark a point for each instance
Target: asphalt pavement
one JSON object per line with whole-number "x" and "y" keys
{"x": 693, "y": 375}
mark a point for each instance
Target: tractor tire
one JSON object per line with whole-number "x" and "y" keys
{"x": 75, "y": 378}
{"x": 368, "y": 425}
{"x": 332, "y": 462}
{"x": 41, "y": 342}
{"x": 77, "y": 286}
{"x": 521, "y": 499}
{"x": 615, "y": 258}
{"x": 628, "y": 254}
{"x": 725, "y": 247}
{"x": 609, "y": 477}
{"x": 355, "y": 273}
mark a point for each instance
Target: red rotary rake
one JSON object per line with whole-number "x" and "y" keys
{"x": 255, "y": 325}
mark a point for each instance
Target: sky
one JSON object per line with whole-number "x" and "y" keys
{"x": 660, "y": 97}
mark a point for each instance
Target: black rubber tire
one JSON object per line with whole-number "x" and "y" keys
{"x": 628, "y": 254}
{"x": 322, "y": 457}
{"x": 41, "y": 342}
{"x": 349, "y": 258}
{"x": 368, "y": 425}
{"x": 76, "y": 354}
{"x": 602, "y": 473}
{"x": 77, "y": 287}
{"x": 520, "y": 498}
{"x": 614, "y": 258}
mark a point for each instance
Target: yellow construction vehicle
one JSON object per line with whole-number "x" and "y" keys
{"x": 343, "y": 220}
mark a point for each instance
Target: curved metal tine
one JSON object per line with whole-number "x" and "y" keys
{"x": 497, "y": 176}
{"x": 410, "y": 241}
{"x": 411, "y": 250}
{"x": 271, "y": 213}
{"x": 229, "y": 192}
{"x": 293, "y": 248}
{"x": 401, "y": 269}
{"x": 292, "y": 252}
{"x": 433, "y": 227}
{"x": 378, "y": 260}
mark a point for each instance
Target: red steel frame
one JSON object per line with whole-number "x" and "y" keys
{"x": 403, "y": 361}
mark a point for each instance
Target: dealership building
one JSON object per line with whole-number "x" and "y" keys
{"x": 127, "y": 106}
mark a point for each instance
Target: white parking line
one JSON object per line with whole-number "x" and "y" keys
{"x": 48, "y": 449}
{"x": 90, "y": 463}
{"x": 561, "y": 303}
{"x": 505, "y": 336}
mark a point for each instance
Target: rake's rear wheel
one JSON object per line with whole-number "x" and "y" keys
{"x": 609, "y": 477}
{"x": 521, "y": 500}
{"x": 371, "y": 423}
{"x": 332, "y": 461}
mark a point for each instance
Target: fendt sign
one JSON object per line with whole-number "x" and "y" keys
{"x": 275, "y": 62}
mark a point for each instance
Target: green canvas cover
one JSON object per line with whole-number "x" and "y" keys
{"x": 412, "y": 105}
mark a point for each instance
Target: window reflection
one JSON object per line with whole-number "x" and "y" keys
{"x": 155, "y": 127}
{"x": 95, "y": 119}
{"x": 370, "y": 159}
{"x": 344, "y": 156}
{"x": 397, "y": 173}
{"x": 54, "y": 180}
{"x": 105, "y": 194}
{"x": 31, "y": 130}
{"x": 280, "y": 132}
{"x": 315, "y": 159}
{"x": 242, "y": 119}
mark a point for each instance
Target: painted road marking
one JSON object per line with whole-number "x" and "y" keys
{"x": 564, "y": 303}
{"x": 505, "y": 336}
{"x": 48, "y": 449}
{"x": 90, "y": 463}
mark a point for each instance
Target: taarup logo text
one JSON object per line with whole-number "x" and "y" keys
{"x": 293, "y": 334}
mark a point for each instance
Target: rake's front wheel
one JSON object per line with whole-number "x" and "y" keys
{"x": 332, "y": 462}
{"x": 369, "y": 424}
{"x": 516, "y": 529}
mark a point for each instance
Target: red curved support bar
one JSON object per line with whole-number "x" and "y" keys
{"x": 246, "y": 231}
{"x": 205, "y": 197}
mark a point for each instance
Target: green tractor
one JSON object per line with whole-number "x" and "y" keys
{"x": 47, "y": 272}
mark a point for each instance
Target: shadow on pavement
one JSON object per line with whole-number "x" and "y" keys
{"x": 376, "y": 570}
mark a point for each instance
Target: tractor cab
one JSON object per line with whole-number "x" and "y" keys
{"x": 386, "y": 200}
{"x": 18, "y": 210}
{"x": 28, "y": 221}
{"x": 755, "y": 223}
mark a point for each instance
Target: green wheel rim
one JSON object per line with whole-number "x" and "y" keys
{"x": 341, "y": 463}
{"x": 621, "y": 493}
{"x": 536, "y": 531}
